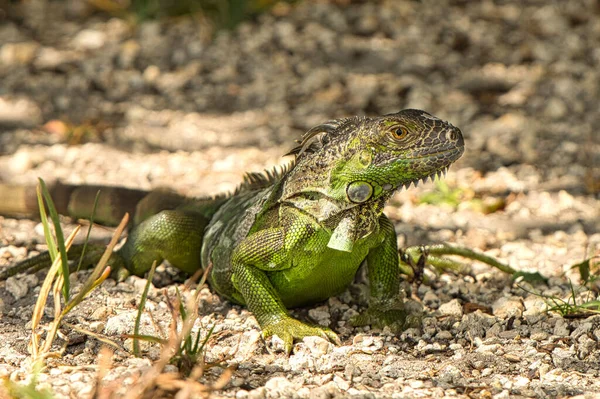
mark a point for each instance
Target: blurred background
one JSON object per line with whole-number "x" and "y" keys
{"x": 521, "y": 78}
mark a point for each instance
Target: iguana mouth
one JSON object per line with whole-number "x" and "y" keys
{"x": 439, "y": 163}
{"x": 440, "y": 173}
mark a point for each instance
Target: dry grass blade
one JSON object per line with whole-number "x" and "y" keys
{"x": 100, "y": 272}
{"x": 58, "y": 284}
{"x": 104, "y": 366}
{"x": 38, "y": 310}
{"x": 192, "y": 280}
{"x": 148, "y": 380}
{"x": 98, "y": 337}
{"x": 224, "y": 379}
{"x": 155, "y": 377}
{"x": 173, "y": 381}
{"x": 98, "y": 275}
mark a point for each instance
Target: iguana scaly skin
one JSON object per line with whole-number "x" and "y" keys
{"x": 298, "y": 236}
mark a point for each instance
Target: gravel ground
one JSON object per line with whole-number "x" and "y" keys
{"x": 86, "y": 98}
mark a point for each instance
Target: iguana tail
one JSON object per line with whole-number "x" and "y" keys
{"x": 78, "y": 202}
{"x": 166, "y": 225}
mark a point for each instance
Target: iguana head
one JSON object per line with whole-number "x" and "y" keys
{"x": 358, "y": 160}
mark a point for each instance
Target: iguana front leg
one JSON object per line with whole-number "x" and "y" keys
{"x": 386, "y": 307}
{"x": 265, "y": 251}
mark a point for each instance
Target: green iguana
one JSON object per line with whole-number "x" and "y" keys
{"x": 287, "y": 238}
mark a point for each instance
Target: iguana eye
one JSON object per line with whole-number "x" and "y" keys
{"x": 399, "y": 132}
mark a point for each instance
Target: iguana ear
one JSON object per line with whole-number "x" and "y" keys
{"x": 313, "y": 139}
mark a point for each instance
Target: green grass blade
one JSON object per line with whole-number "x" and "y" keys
{"x": 87, "y": 237}
{"x": 182, "y": 310}
{"x": 50, "y": 242}
{"x": 196, "y": 346}
{"x": 60, "y": 239}
{"x": 208, "y": 335}
{"x": 138, "y": 319}
{"x": 593, "y": 306}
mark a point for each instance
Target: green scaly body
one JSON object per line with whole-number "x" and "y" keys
{"x": 298, "y": 237}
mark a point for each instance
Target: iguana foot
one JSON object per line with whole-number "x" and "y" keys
{"x": 379, "y": 315}
{"x": 289, "y": 329}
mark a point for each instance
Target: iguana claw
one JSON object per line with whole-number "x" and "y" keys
{"x": 289, "y": 329}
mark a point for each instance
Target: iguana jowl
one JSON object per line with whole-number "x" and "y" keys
{"x": 298, "y": 236}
